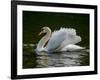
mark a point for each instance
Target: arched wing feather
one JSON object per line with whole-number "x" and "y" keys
{"x": 61, "y": 38}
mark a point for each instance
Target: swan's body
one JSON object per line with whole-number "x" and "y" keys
{"x": 60, "y": 40}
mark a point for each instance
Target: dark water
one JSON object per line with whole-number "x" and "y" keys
{"x": 32, "y": 24}
{"x": 61, "y": 59}
{"x": 33, "y": 59}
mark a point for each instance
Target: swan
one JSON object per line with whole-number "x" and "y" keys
{"x": 63, "y": 39}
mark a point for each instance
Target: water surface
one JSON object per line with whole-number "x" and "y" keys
{"x": 33, "y": 59}
{"x": 62, "y": 59}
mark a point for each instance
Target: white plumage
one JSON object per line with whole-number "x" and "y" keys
{"x": 59, "y": 40}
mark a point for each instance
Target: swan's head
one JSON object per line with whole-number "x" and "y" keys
{"x": 45, "y": 30}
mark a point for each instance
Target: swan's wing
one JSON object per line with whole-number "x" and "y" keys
{"x": 70, "y": 39}
{"x": 55, "y": 41}
{"x": 62, "y": 37}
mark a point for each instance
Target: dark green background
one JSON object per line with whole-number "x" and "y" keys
{"x": 34, "y": 21}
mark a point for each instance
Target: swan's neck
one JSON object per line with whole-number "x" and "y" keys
{"x": 43, "y": 41}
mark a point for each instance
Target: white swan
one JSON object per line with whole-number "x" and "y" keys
{"x": 59, "y": 40}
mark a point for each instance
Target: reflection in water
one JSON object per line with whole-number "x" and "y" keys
{"x": 61, "y": 59}
{"x": 34, "y": 59}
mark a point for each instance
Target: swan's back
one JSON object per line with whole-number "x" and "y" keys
{"x": 61, "y": 38}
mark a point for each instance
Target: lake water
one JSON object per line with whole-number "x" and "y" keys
{"x": 55, "y": 59}
{"x": 61, "y": 59}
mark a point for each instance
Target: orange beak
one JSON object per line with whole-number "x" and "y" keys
{"x": 40, "y": 33}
